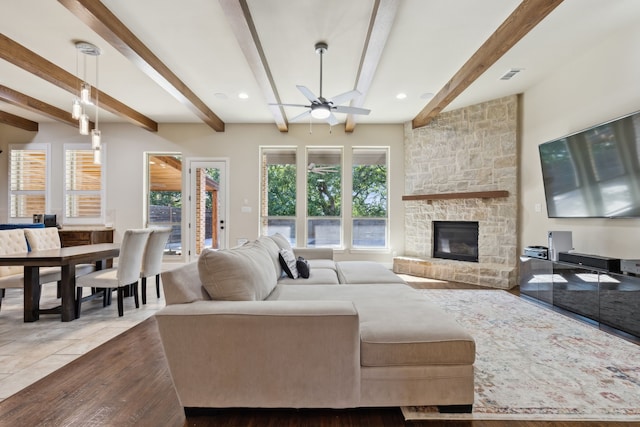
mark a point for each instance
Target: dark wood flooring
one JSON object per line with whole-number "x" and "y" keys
{"x": 126, "y": 382}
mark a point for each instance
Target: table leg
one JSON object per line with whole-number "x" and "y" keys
{"x": 31, "y": 279}
{"x": 68, "y": 293}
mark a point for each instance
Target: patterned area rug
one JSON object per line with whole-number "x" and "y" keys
{"x": 535, "y": 364}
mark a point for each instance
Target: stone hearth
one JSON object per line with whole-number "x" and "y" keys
{"x": 473, "y": 149}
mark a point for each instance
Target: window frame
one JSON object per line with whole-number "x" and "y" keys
{"x": 46, "y": 147}
{"x": 102, "y": 192}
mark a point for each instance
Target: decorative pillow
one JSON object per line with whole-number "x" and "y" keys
{"x": 303, "y": 267}
{"x": 288, "y": 262}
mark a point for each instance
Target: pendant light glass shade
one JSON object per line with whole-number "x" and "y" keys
{"x": 97, "y": 156}
{"x": 76, "y": 109}
{"x": 85, "y": 93}
{"x": 95, "y": 139}
{"x": 84, "y": 124}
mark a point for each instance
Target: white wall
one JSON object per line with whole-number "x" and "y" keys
{"x": 126, "y": 145}
{"x": 597, "y": 86}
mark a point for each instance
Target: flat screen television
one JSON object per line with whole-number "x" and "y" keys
{"x": 594, "y": 173}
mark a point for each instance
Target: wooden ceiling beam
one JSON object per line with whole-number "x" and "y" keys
{"x": 24, "y": 58}
{"x": 100, "y": 19}
{"x": 522, "y": 20}
{"x": 239, "y": 17}
{"x": 35, "y": 105}
{"x": 384, "y": 12}
{"x": 18, "y": 122}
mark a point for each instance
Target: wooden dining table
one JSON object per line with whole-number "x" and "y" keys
{"x": 67, "y": 259}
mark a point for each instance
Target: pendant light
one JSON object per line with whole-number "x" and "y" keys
{"x": 78, "y": 110}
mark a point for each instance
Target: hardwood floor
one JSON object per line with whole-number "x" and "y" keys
{"x": 126, "y": 382}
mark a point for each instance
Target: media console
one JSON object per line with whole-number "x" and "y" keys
{"x": 608, "y": 298}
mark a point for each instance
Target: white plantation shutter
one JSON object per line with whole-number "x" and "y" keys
{"x": 84, "y": 186}
{"x": 28, "y": 181}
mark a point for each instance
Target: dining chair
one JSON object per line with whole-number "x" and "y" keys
{"x": 14, "y": 242}
{"x": 124, "y": 275}
{"x": 41, "y": 239}
{"x": 152, "y": 259}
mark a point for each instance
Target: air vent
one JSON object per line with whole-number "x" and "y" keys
{"x": 510, "y": 73}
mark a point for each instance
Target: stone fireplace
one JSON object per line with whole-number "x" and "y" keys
{"x": 462, "y": 167}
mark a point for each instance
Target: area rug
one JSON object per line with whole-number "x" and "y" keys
{"x": 535, "y": 364}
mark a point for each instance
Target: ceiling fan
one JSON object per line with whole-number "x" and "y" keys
{"x": 323, "y": 108}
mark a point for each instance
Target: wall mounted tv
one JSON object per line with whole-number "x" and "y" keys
{"x": 594, "y": 173}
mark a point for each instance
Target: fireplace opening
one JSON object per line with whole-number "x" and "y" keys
{"x": 455, "y": 240}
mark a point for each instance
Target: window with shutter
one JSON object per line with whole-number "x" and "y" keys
{"x": 84, "y": 186}
{"x": 28, "y": 181}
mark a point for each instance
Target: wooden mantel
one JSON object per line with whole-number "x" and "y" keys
{"x": 469, "y": 195}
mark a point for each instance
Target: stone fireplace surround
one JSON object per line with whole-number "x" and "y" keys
{"x": 458, "y": 157}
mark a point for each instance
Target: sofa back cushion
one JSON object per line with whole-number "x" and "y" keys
{"x": 182, "y": 285}
{"x": 245, "y": 273}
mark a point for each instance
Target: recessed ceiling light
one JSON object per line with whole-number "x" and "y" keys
{"x": 243, "y": 95}
{"x": 401, "y": 95}
{"x": 426, "y": 95}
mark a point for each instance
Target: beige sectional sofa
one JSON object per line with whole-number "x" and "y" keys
{"x": 238, "y": 334}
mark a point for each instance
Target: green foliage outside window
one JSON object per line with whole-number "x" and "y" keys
{"x": 369, "y": 191}
{"x": 324, "y": 193}
{"x": 282, "y": 190}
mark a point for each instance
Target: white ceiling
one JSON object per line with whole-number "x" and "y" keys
{"x": 429, "y": 41}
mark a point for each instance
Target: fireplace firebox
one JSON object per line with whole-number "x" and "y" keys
{"x": 456, "y": 240}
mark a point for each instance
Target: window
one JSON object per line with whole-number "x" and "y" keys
{"x": 369, "y": 198}
{"x": 84, "y": 186}
{"x": 324, "y": 197}
{"x": 278, "y": 192}
{"x": 28, "y": 181}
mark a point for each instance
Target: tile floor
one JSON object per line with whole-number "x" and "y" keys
{"x": 30, "y": 351}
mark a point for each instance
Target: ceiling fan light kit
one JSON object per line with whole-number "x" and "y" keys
{"x": 322, "y": 108}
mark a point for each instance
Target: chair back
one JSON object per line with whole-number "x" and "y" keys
{"x": 131, "y": 253}
{"x": 41, "y": 239}
{"x": 12, "y": 242}
{"x": 152, "y": 260}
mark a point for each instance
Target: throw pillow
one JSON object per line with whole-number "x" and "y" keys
{"x": 288, "y": 262}
{"x": 303, "y": 267}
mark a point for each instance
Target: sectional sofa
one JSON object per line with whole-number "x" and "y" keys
{"x": 237, "y": 333}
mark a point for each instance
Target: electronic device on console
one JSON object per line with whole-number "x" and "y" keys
{"x": 536, "y": 252}
{"x": 631, "y": 266}
{"x": 611, "y": 265}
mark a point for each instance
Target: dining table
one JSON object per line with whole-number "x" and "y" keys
{"x": 65, "y": 258}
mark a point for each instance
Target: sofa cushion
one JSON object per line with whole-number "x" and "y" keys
{"x": 182, "y": 285}
{"x": 244, "y": 273}
{"x": 392, "y": 324}
{"x": 367, "y": 272}
{"x": 288, "y": 263}
{"x": 322, "y": 263}
{"x": 281, "y": 241}
{"x": 270, "y": 246}
{"x": 317, "y": 276}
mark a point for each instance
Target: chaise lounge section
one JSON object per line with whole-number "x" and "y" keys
{"x": 353, "y": 342}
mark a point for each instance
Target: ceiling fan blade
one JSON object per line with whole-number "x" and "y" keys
{"x": 350, "y": 110}
{"x": 301, "y": 116}
{"x": 307, "y": 93}
{"x": 344, "y": 97}
{"x": 291, "y": 105}
{"x": 332, "y": 120}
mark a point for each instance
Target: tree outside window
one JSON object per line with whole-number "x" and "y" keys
{"x": 369, "y": 198}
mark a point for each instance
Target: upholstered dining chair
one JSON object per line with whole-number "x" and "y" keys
{"x": 41, "y": 239}
{"x": 124, "y": 275}
{"x": 152, "y": 259}
{"x": 14, "y": 242}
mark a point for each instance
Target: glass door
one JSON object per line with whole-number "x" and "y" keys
{"x": 207, "y": 203}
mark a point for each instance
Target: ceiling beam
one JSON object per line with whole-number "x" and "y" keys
{"x": 22, "y": 57}
{"x": 18, "y": 122}
{"x": 239, "y": 17}
{"x": 100, "y": 19}
{"x": 522, "y": 20}
{"x": 35, "y": 105}
{"x": 384, "y": 12}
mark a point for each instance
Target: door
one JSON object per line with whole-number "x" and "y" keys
{"x": 207, "y": 205}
